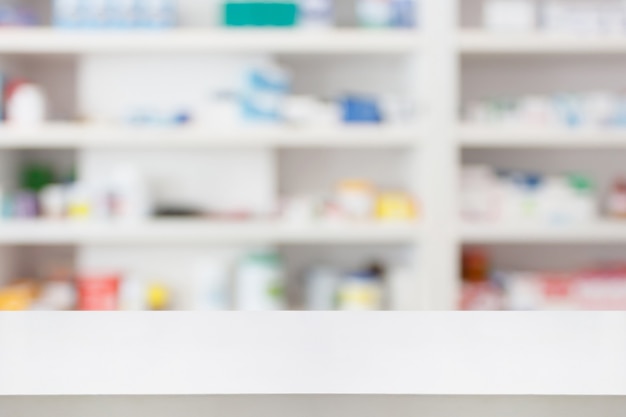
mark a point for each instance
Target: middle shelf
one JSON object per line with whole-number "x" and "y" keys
{"x": 600, "y": 232}
{"x": 169, "y": 232}
{"x": 73, "y": 135}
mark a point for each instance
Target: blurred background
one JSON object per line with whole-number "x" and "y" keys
{"x": 312, "y": 155}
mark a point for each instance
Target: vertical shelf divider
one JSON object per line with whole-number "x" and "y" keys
{"x": 438, "y": 263}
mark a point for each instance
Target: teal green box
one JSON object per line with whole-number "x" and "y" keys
{"x": 252, "y": 13}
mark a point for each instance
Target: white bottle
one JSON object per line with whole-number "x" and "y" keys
{"x": 403, "y": 289}
{"x": 68, "y": 14}
{"x": 374, "y": 13}
{"x": 509, "y": 15}
{"x": 54, "y": 201}
{"x": 211, "y": 286}
{"x": 133, "y": 294}
{"x": 260, "y": 283}
{"x": 322, "y": 286}
{"x": 131, "y": 194}
{"x": 317, "y": 14}
{"x": 26, "y": 107}
{"x": 361, "y": 291}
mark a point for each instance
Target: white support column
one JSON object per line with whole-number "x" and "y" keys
{"x": 439, "y": 254}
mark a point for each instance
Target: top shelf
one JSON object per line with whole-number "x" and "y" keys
{"x": 287, "y": 41}
{"x": 294, "y": 41}
{"x": 485, "y": 42}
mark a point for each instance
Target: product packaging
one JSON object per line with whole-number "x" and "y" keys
{"x": 322, "y": 288}
{"x": 212, "y": 289}
{"x": 361, "y": 291}
{"x": 260, "y": 282}
{"x": 98, "y": 292}
{"x": 510, "y": 15}
{"x": 316, "y": 13}
{"x": 26, "y": 106}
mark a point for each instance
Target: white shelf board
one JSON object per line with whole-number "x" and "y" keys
{"x": 291, "y": 41}
{"x": 200, "y": 232}
{"x": 164, "y": 353}
{"x": 601, "y": 232}
{"x": 512, "y": 136}
{"x": 68, "y": 135}
{"x": 486, "y": 42}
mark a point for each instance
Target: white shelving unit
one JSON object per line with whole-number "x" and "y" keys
{"x": 432, "y": 364}
{"x": 520, "y": 137}
{"x": 484, "y": 42}
{"x": 107, "y": 66}
{"x": 76, "y": 136}
{"x": 195, "y": 232}
{"x": 442, "y": 58}
{"x": 340, "y": 41}
{"x": 594, "y": 233}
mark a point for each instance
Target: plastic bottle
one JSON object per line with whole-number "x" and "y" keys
{"x": 68, "y": 14}
{"x": 616, "y": 204}
{"x": 374, "y": 13}
{"x": 26, "y": 106}
{"x": 211, "y": 286}
{"x": 260, "y": 282}
{"x": 403, "y": 13}
{"x": 316, "y": 13}
{"x": 583, "y": 202}
{"x": 322, "y": 285}
{"x": 403, "y": 289}
{"x": 79, "y": 201}
{"x": 131, "y": 195}
{"x": 356, "y": 199}
{"x": 361, "y": 291}
{"x": 53, "y": 201}
{"x": 132, "y": 294}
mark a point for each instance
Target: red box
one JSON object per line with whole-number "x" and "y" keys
{"x": 99, "y": 292}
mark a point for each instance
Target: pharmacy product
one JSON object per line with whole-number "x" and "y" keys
{"x": 309, "y": 110}
{"x": 53, "y": 201}
{"x": 211, "y": 282}
{"x": 374, "y": 13}
{"x": 56, "y": 296}
{"x": 122, "y": 14}
{"x": 395, "y": 206}
{"x": 356, "y": 199}
{"x": 2, "y": 97}
{"x": 361, "y": 291}
{"x": 403, "y": 13}
{"x": 316, "y": 13}
{"x": 260, "y": 282}
{"x": 403, "y": 289}
{"x": 509, "y": 15}
{"x": 322, "y": 286}
{"x": 131, "y": 194}
{"x": 96, "y": 14}
{"x": 98, "y": 292}
{"x": 69, "y": 13}
{"x": 26, "y": 106}
{"x": 156, "y": 14}
{"x": 132, "y": 294}
{"x": 159, "y": 297}
{"x": 264, "y": 90}
{"x": 616, "y": 202}
{"x": 79, "y": 201}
